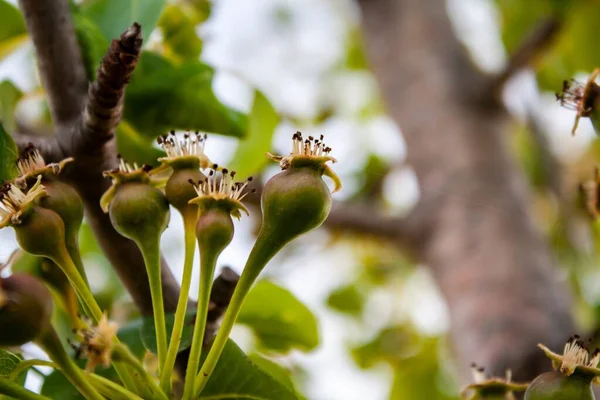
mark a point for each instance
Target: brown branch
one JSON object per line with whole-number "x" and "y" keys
{"x": 479, "y": 238}
{"x": 533, "y": 46}
{"x": 88, "y": 138}
{"x": 104, "y": 107}
{"x": 48, "y": 146}
{"x": 58, "y": 57}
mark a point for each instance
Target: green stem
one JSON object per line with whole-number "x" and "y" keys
{"x": 51, "y": 344}
{"x": 189, "y": 223}
{"x": 72, "y": 244}
{"x": 63, "y": 259}
{"x": 23, "y": 365}
{"x": 264, "y": 249}
{"x": 14, "y": 391}
{"x": 122, "y": 354}
{"x": 208, "y": 261}
{"x": 151, "y": 252}
{"x": 110, "y": 389}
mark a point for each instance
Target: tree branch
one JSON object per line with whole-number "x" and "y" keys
{"x": 533, "y": 46}
{"x": 58, "y": 57}
{"x": 88, "y": 138}
{"x": 479, "y": 238}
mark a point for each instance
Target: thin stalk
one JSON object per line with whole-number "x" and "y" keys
{"x": 151, "y": 252}
{"x": 14, "y": 391}
{"x": 51, "y": 344}
{"x": 265, "y": 248}
{"x": 110, "y": 389}
{"x": 189, "y": 224}
{"x": 63, "y": 259}
{"x": 72, "y": 245}
{"x": 122, "y": 354}
{"x": 23, "y": 365}
{"x": 208, "y": 261}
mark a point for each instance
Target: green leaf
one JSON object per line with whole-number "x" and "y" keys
{"x": 347, "y": 299}
{"x": 129, "y": 334}
{"x": 162, "y": 96}
{"x": 8, "y": 156}
{"x": 148, "y": 333}
{"x": 8, "y": 362}
{"x": 178, "y": 26}
{"x": 56, "y": 386}
{"x": 279, "y": 320}
{"x": 236, "y": 377}
{"x": 279, "y": 373}
{"x": 92, "y": 42}
{"x": 135, "y": 147}
{"x": 9, "y": 97}
{"x": 113, "y": 17}
{"x": 12, "y": 28}
{"x": 249, "y": 157}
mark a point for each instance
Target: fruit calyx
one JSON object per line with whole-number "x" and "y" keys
{"x": 186, "y": 152}
{"x": 580, "y": 97}
{"x": 30, "y": 164}
{"x": 575, "y": 358}
{"x": 224, "y": 193}
{"x": 491, "y": 387}
{"x": 16, "y": 203}
{"x": 124, "y": 173}
{"x": 312, "y": 153}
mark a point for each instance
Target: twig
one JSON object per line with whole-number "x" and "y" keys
{"x": 58, "y": 57}
{"x": 532, "y": 47}
{"x": 104, "y": 107}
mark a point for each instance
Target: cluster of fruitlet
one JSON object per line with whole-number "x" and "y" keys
{"x": 46, "y": 215}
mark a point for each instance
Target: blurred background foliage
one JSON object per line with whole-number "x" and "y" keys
{"x": 382, "y": 310}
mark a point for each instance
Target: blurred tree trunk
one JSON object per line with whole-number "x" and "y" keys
{"x": 477, "y": 233}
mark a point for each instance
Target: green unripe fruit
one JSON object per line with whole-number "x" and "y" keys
{"x": 25, "y": 309}
{"x": 178, "y": 189}
{"x": 41, "y": 233}
{"x": 294, "y": 202}
{"x": 556, "y": 386}
{"x": 214, "y": 230}
{"x": 65, "y": 201}
{"x": 139, "y": 211}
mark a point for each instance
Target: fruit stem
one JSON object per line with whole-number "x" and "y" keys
{"x": 64, "y": 261}
{"x": 264, "y": 249}
{"x": 14, "y": 391}
{"x": 122, "y": 354}
{"x": 51, "y": 344}
{"x": 189, "y": 224}
{"x": 110, "y": 389}
{"x": 150, "y": 249}
{"x": 208, "y": 261}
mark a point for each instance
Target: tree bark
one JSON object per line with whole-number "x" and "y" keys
{"x": 487, "y": 255}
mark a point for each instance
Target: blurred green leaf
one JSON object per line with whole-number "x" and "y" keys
{"x": 135, "y": 147}
{"x": 9, "y": 97}
{"x": 279, "y": 320}
{"x": 392, "y": 345}
{"x": 92, "y": 42}
{"x": 130, "y": 335}
{"x": 236, "y": 377}
{"x": 279, "y": 373}
{"x": 178, "y": 25}
{"x": 113, "y": 17}
{"x": 8, "y": 156}
{"x": 162, "y": 96}
{"x": 249, "y": 156}
{"x": 347, "y": 299}
{"x": 12, "y": 28}
{"x": 148, "y": 334}
{"x": 8, "y": 362}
